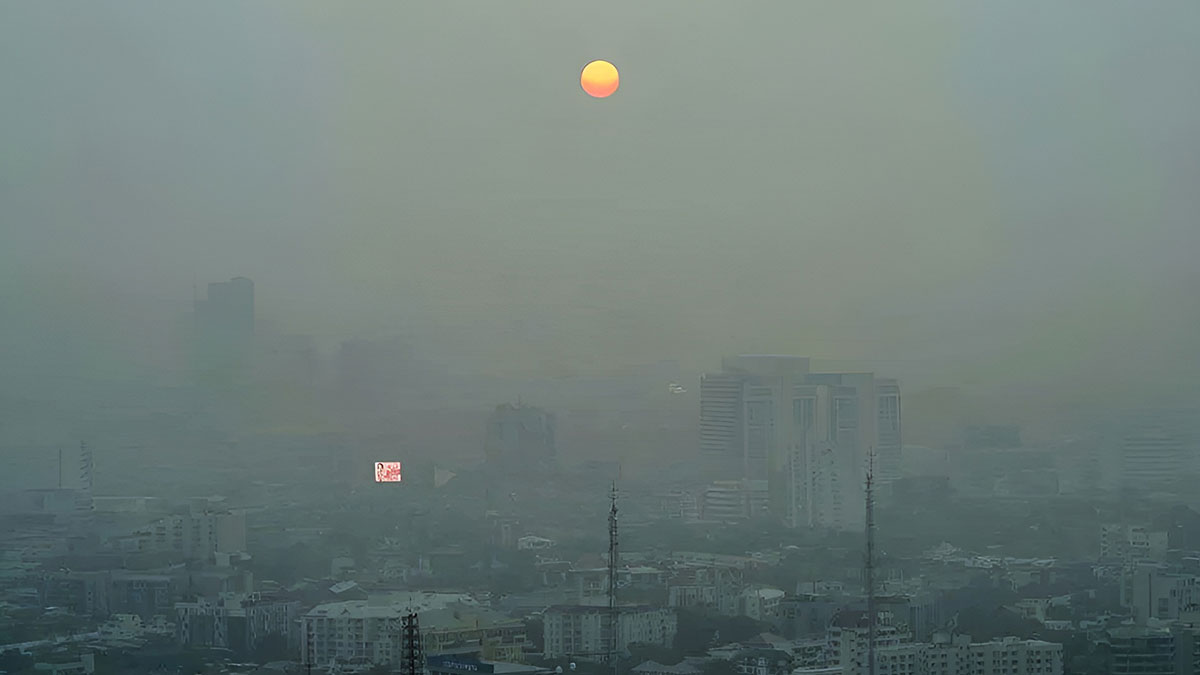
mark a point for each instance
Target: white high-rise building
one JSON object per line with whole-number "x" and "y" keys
{"x": 946, "y": 655}
{"x": 1159, "y": 449}
{"x": 806, "y": 434}
{"x": 1131, "y": 543}
{"x": 582, "y": 632}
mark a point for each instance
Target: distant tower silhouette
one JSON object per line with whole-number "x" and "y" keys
{"x": 228, "y": 309}
{"x": 869, "y": 560}
{"x": 613, "y": 612}
{"x": 519, "y": 437}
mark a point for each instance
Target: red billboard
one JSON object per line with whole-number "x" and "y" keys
{"x": 387, "y": 472}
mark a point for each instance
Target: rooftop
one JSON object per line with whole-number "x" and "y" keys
{"x": 683, "y": 668}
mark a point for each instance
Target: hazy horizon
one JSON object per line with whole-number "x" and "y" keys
{"x": 996, "y": 197}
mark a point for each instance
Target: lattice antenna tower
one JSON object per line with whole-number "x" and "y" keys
{"x": 309, "y": 648}
{"x": 613, "y": 613}
{"x": 869, "y": 562}
{"x": 414, "y": 654}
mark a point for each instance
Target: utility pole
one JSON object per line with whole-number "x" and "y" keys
{"x": 613, "y": 614}
{"x": 869, "y": 566}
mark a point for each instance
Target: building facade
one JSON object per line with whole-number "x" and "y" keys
{"x": 199, "y": 535}
{"x": 584, "y": 632}
{"x": 362, "y": 631}
{"x": 807, "y": 435}
{"x": 1141, "y": 652}
{"x": 1131, "y": 544}
{"x": 1152, "y": 592}
{"x": 237, "y": 621}
{"x": 520, "y": 437}
{"x": 957, "y": 655}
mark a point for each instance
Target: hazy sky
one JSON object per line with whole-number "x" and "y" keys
{"x": 966, "y": 192}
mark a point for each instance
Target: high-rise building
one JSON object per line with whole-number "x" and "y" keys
{"x": 228, "y": 310}
{"x": 806, "y": 434}
{"x": 848, "y": 637}
{"x": 519, "y": 436}
{"x": 1131, "y": 543}
{"x": 1142, "y": 651}
{"x": 373, "y": 631}
{"x": 1153, "y": 459}
{"x": 583, "y": 632}
{"x": 731, "y": 500}
{"x": 199, "y": 535}
{"x": 888, "y": 442}
{"x": 946, "y": 655}
{"x": 721, "y": 415}
{"x": 1152, "y": 592}
{"x": 237, "y": 621}
{"x": 224, "y": 334}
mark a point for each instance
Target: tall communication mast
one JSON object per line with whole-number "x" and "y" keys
{"x": 309, "y": 648}
{"x": 613, "y": 615}
{"x": 869, "y": 563}
{"x": 414, "y": 655}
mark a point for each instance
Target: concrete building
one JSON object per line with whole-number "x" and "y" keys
{"x": 921, "y": 614}
{"x": 1014, "y": 656}
{"x": 760, "y": 604}
{"x": 494, "y": 636}
{"x": 224, "y": 335}
{"x": 679, "y": 505}
{"x": 806, "y": 615}
{"x": 146, "y": 595}
{"x": 806, "y": 434}
{"x": 1152, "y": 592}
{"x": 1140, "y": 651}
{"x": 721, "y": 412}
{"x": 733, "y": 500}
{"x": 1157, "y": 455}
{"x": 237, "y": 621}
{"x": 198, "y": 535}
{"x": 83, "y": 663}
{"x": 848, "y": 642}
{"x": 714, "y": 588}
{"x": 470, "y": 664}
{"x": 520, "y": 437}
{"x": 1131, "y": 544}
{"x": 228, "y": 310}
{"x": 584, "y": 632}
{"x": 957, "y": 655}
{"x": 1148, "y": 450}
{"x": 656, "y": 668}
{"x": 371, "y": 630}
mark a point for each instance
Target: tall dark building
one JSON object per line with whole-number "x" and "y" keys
{"x": 225, "y": 333}
{"x": 519, "y": 436}
{"x": 228, "y": 310}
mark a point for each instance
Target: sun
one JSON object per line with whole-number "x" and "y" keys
{"x": 599, "y": 79}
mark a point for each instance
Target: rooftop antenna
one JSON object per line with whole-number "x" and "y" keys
{"x": 869, "y": 566}
{"x": 612, "y": 577}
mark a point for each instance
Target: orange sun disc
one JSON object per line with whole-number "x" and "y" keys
{"x": 599, "y": 79}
